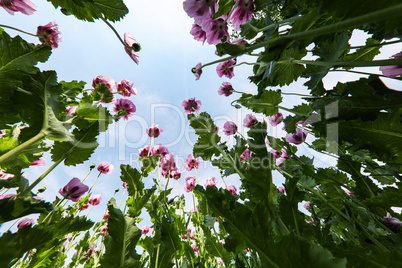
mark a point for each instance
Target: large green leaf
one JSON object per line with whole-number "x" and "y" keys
{"x": 112, "y": 10}
{"x": 14, "y": 245}
{"x": 11, "y": 209}
{"x": 78, "y": 151}
{"x": 121, "y": 241}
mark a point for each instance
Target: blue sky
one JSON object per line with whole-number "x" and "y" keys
{"x": 163, "y": 80}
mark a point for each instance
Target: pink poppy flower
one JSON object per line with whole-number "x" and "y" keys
{"x": 191, "y": 105}
{"x": 104, "y": 230}
{"x": 2, "y": 133}
{"x": 307, "y": 205}
{"x": 281, "y": 189}
{"x": 226, "y": 68}
{"x": 74, "y": 190}
{"x": 200, "y": 10}
{"x": 275, "y": 119}
{"x": 106, "y": 215}
{"x": 131, "y": 42}
{"x": 348, "y": 192}
{"x": 5, "y": 176}
{"x": 196, "y": 250}
{"x": 297, "y": 138}
{"x": 197, "y": 71}
{"x": 154, "y": 131}
{"x": 145, "y": 229}
{"x": 211, "y": 181}
{"x": 95, "y": 199}
{"x": 71, "y": 110}
{"x": 250, "y": 121}
{"x": 229, "y": 128}
{"x": 392, "y": 70}
{"x": 4, "y": 196}
{"x": 40, "y": 162}
{"x": 167, "y": 164}
{"x": 232, "y": 189}
{"x": 105, "y": 167}
{"x": 175, "y": 173}
{"x": 246, "y": 155}
{"x": 190, "y": 182}
{"x": 216, "y": 129}
{"x": 105, "y": 79}
{"x": 25, "y": 222}
{"x": 225, "y": 89}
{"x": 276, "y": 153}
{"x": 125, "y": 186}
{"x": 144, "y": 152}
{"x": 125, "y": 105}
{"x": 126, "y": 89}
{"x": 191, "y": 162}
{"x": 24, "y": 6}
{"x": 159, "y": 150}
{"x": 49, "y": 34}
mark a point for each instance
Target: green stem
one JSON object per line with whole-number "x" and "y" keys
{"x": 364, "y": 73}
{"x": 121, "y": 199}
{"x": 19, "y": 30}
{"x": 378, "y": 45}
{"x": 196, "y": 176}
{"x": 388, "y": 62}
{"x": 292, "y": 111}
{"x": 86, "y": 175}
{"x": 231, "y": 11}
{"x": 90, "y": 189}
{"x": 41, "y": 177}
{"x": 116, "y": 33}
{"x": 292, "y": 19}
{"x": 21, "y": 147}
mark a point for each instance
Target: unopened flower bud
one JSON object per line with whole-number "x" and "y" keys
{"x": 65, "y": 12}
{"x": 42, "y": 189}
{"x": 92, "y": 166}
{"x": 117, "y": 189}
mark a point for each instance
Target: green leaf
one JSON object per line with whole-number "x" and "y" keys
{"x": 224, "y": 8}
{"x": 71, "y": 91}
{"x": 112, "y": 10}
{"x": 14, "y": 245}
{"x": 214, "y": 246}
{"x": 133, "y": 178}
{"x": 102, "y": 93}
{"x": 78, "y": 151}
{"x": 12, "y": 209}
{"x": 366, "y": 53}
{"x": 136, "y": 203}
{"x": 207, "y": 143}
{"x": 328, "y": 50}
{"x": 121, "y": 241}
{"x": 267, "y": 103}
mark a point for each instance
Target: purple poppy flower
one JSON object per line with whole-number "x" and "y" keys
{"x": 49, "y": 34}
{"x": 232, "y": 189}
{"x": 229, "y": 128}
{"x": 392, "y": 221}
{"x": 125, "y": 88}
{"x": 191, "y": 105}
{"x": 276, "y": 153}
{"x": 190, "y": 182}
{"x": 242, "y": 13}
{"x": 225, "y": 89}
{"x": 275, "y": 119}
{"x": 126, "y": 106}
{"x": 24, "y": 6}
{"x": 154, "y": 131}
{"x": 250, "y": 121}
{"x": 201, "y": 10}
{"x": 105, "y": 167}
{"x": 74, "y": 190}
{"x": 226, "y": 68}
{"x": 131, "y": 42}
{"x": 197, "y": 71}
{"x": 198, "y": 33}
{"x": 297, "y": 138}
{"x": 211, "y": 181}
{"x": 25, "y": 222}
{"x": 216, "y": 30}
{"x": 191, "y": 162}
{"x": 392, "y": 70}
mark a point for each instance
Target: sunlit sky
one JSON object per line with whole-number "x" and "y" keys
{"x": 163, "y": 80}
